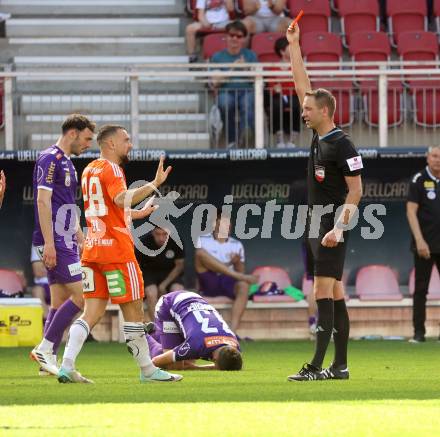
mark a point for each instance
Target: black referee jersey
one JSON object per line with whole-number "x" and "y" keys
{"x": 332, "y": 157}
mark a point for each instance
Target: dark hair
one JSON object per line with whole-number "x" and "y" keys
{"x": 238, "y": 26}
{"x": 78, "y": 122}
{"x": 280, "y": 44}
{"x": 107, "y": 131}
{"x": 323, "y": 98}
{"x": 229, "y": 358}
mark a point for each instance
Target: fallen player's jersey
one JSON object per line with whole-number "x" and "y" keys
{"x": 187, "y": 318}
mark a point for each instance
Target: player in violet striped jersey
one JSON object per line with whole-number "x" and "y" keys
{"x": 57, "y": 237}
{"x": 188, "y": 328}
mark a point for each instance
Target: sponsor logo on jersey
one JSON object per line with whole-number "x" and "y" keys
{"x": 88, "y": 279}
{"x": 170, "y": 328}
{"x": 199, "y": 306}
{"x": 429, "y": 185}
{"x": 355, "y": 163}
{"x": 50, "y": 173}
{"x": 218, "y": 340}
{"x": 319, "y": 173}
{"x": 75, "y": 269}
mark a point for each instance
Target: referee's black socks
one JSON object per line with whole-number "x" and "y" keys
{"x": 324, "y": 328}
{"x": 341, "y": 332}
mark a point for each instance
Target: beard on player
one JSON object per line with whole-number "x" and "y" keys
{"x": 124, "y": 160}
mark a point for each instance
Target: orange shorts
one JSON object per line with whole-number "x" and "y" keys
{"x": 121, "y": 282}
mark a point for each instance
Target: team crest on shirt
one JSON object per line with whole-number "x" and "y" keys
{"x": 67, "y": 179}
{"x": 184, "y": 349}
{"x": 319, "y": 173}
{"x": 169, "y": 254}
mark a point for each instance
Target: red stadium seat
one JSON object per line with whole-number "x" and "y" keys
{"x": 417, "y": 46}
{"x": 343, "y": 92}
{"x": 358, "y": 16}
{"x": 321, "y": 47}
{"x": 370, "y": 99}
{"x": 406, "y": 15}
{"x": 10, "y": 282}
{"x": 426, "y": 102}
{"x": 213, "y": 43}
{"x": 263, "y": 44}
{"x": 273, "y": 274}
{"x": 369, "y": 46}
{"x": 316, "y": 15}
{"x": 327, "y": 47}
{"x": 377, "y": 282}
{"x": 434, "y": 284}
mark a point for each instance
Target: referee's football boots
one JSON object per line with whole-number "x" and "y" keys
{"x": 307, "y": 373}
{"x": 334, "y": 372}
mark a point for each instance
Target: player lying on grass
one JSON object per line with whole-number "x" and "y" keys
{"x": 187, "y": 328}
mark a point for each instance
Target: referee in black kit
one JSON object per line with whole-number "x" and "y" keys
{"x": 423, "y": 212}
{"x": 334, "y": 191}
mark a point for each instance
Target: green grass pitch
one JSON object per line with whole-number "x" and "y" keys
{"x": 394, "y": 390}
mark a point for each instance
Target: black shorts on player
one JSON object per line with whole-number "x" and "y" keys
{"x": 327, "y": 261}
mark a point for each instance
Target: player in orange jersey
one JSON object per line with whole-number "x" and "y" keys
{"x": 110, "y": 269}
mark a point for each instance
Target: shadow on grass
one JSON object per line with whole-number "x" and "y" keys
{"x": 379, "y": 371}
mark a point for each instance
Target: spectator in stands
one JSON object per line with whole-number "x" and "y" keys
{"x": 162, "y": 272}
{"x": 281, "y": 102}
{"x": 2, "y": 186}
{"x": 265, "y": 16}
{"x": 235, "y": 94}
{"x": 423, "y": 212}
{"x": 219, "y": 263}
{"x": 40, "y": 289}
{"x": 211, "y": 14}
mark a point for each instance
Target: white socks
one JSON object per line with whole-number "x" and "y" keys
{"x": 46, "y": 346}
{"x": 78, "y": 333}
{"x": 137, "y": 345}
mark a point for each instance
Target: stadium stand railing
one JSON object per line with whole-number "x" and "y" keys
{"x": 373, "y": 97}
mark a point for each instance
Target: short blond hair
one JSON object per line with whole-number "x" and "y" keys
{"x": 323, "y": 98}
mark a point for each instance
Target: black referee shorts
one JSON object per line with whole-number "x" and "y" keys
{"x": 327, "y": 261}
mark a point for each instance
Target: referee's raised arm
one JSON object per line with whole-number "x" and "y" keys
{"x": 300, "y": 77}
